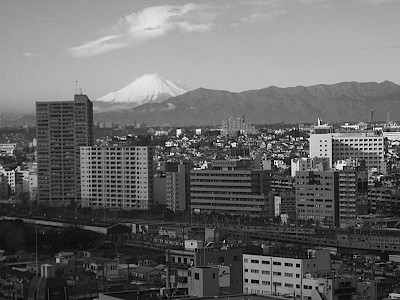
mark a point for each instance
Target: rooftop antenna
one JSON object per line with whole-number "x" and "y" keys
{"x": 76, "y": 87}
{"x": 80, "y": 90}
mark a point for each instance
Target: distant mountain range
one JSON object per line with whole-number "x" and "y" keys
{"x": 167, "y": 103}
{"x": 346, "y": 101}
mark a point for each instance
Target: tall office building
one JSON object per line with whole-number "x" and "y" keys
{"x": 117, "y": 177}
{"x": 363, "y": 145}
{"x": 62, "y": 128}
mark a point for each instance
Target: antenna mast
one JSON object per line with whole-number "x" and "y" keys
{"x": 76, "y": 87}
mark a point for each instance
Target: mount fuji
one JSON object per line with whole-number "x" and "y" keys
{"x": 149, "y": 88}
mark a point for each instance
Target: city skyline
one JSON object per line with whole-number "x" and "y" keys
{"x": 49, "y": 45}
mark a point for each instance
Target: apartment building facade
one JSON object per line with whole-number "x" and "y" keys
{"x": 177, "y": 186}
{"x": 317, "y": 197}
{"x": 353, "y": 189}
{"x": 62, "y": 127}
{"x": 117, "y": 177}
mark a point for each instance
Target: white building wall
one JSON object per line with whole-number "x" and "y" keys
{"x": 119, "y": 177}
{"x": 321, "y": 146}
{"x": 268, "y": 275}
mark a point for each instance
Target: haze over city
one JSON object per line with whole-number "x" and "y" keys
{"x": 231, "y": 45}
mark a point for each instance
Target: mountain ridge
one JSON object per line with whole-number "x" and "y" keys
{"x": 344, "y": 101}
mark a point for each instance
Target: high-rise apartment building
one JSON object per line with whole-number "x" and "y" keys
{"x": 117, "y": 177}
{"x": 62, "y": 128}
{"x": 177, "y": 186}
{"x": 363, "y": 145}
{"x": 317, "y": 197}
{"x": 231, "y": 187}
{"x": 353, "y": 189}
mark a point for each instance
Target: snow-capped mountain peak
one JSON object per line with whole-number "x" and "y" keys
{"x": 147, "y": 88}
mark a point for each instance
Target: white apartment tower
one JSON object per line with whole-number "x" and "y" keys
{"x": 117, "y": 177}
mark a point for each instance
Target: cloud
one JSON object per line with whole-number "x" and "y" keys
{"x": 378, "y": 2}
{"x": 99, "y": 46}
{"x": 381, "y": 47}
{"x": 264, "y": 16}
{"x": 150, "y": 23}
{"x": 259, "y": 11}
{"x": 29, "y": 55}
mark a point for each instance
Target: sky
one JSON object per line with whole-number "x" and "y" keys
{"x": 46, "y": 46}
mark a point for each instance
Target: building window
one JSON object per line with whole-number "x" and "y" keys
{"x": 288, "y": 265}
{"x": 277, "y": 273}
{"x": 254, "y": 261}
{"x": 277, "y": 283}
{"x": 196, "y": 276}
{"x": 265, "y": 262}
{"x": 255, "y": 281}
{"x": 277, "y": 263}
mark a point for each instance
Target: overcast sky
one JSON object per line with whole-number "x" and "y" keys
{"x": 236, "y": 45}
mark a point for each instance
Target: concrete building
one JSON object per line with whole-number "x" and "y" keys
{"x": 363, "y": 145}
{"x": 10, "y": 175}
{"x": 7, "y": 149}
{"x": 180, "y": 262}
{"x": 309, "y": 164}
{"x": 317, "y": 197}
{"x": 384, "y": 201}
{"x": 233, "y": 126}
{"x": 353, "y": 188}
{"x": 177, "y": 186}
{"x": 117, "y": 177}
{"x": 204, "y": 281}
{"x": 62, "y": 128}
{"x": 289, "y": 273}
{"x": 392, "y": 134}
{"x": 159, "y": 190}
{"x": 284, "y": 204}
{"x": 336, "y": 289}
{"x": 4, "y": 188}
{"x": 48, "y": 286}
{"x": 282, "y": 183}
{"x": 231, "y": 187}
